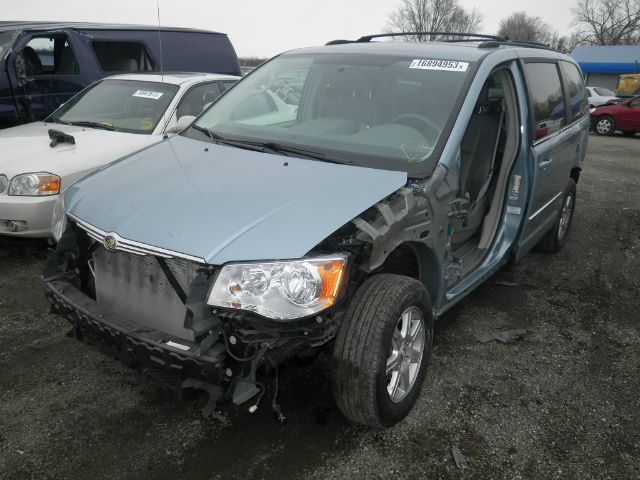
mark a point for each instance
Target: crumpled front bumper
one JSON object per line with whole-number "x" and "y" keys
{"x": 166, "y": 359}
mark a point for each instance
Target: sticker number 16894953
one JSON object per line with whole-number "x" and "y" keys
{"x": 446, "y": 65}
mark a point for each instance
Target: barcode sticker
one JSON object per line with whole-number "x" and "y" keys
{"x": 148, "y": 94}
{"x": 444, "y": 65}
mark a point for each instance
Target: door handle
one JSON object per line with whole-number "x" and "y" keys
{"x": 545, "y": 163}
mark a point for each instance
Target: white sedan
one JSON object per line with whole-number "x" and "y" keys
{"x": 112, "y": 118}
{"x": 599, "y": 96}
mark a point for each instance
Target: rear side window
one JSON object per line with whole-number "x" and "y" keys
{"x": 575, "y": 90}
{"x": 547, "y": 99}
{"x": 123, "y": 56}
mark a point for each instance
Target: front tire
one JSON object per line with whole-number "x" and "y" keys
{"x": 382, "y": 350}
{"x": 605, "y": 126}
{"x": 555, "y": 239}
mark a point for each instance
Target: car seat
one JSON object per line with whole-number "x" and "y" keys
{"x": 478, "y": 155}
{"x": 32, "y": 62}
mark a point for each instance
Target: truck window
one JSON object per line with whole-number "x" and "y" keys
{"x": 575, "y": 91}
{"x": 47, "y": 55}
{"x": 546, "y": 98}
{"x": 123, "y": 56}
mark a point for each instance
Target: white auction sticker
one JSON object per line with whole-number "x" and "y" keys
{"x": 148, "y": 94}
{"x": 177, "y": 345}
{"x": 514, "y": 210}
{"x": 445, "y": 65}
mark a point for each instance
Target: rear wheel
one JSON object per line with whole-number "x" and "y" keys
{"x": 555, "y": 239}
{"x": 605, "y": 126}
{"x": 382, "y": 350}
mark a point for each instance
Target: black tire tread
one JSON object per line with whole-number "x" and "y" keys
{"x": 357, "y": 349}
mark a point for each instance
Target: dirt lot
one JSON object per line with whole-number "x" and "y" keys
{"x": 562, "y": 402}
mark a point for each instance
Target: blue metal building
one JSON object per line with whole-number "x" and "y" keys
{"x": 602, "y": 65}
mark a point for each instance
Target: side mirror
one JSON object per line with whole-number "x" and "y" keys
{"x": 182, "y": 123}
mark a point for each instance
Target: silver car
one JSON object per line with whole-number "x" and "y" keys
{"x": 112, "y": 118}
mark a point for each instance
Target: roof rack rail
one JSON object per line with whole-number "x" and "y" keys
{"x": 516, "y": 43}
{"x": 475, "y": 36}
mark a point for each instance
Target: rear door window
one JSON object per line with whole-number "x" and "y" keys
{"x": 123, "y": 56}
{"x": 574, "y": 90}
{"x": 546, "y": 98}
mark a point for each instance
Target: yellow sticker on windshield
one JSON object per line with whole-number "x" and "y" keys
{"x": 415, "y": 150}
{"x": 146, "y": 123}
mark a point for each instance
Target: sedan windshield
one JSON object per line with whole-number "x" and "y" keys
{"x": 121, "y": 105}
{"x": 369, "y": 110}
{"x": 603, "y": 92}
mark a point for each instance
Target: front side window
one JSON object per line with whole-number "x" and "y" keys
{"x": 198, "y": 99}
{"x": 575, "y": 91}
{"x": 370, "y": 110}
{"x": 120, "y": 105}
{"x": 635, "y": 102}
{"x": 123, "y": 56}
{"x": 47, "y": 55}
{"x": 547, "y": 99}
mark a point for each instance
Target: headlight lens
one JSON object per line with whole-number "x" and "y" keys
{"x": 59, "y": 219}
{"x": 4, "y": 181}
{"x": 280, "y": 290}
{"x": 35, "y": 184}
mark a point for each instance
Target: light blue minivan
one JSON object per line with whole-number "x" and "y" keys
{"x": 340, "y": 197}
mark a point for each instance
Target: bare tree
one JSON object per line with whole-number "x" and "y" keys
{"x": 527, "y": 28}
{"x": 608, "y": 22}
{"x": 433, "y": 16}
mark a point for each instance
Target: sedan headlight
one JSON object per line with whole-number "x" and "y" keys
{"x": 59, "y": 219}
{"x": 35, "y": 184}
{"x": 4, "y": 181}
{"x": 280, "y": 290}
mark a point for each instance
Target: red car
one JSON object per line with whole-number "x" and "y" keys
{"x": 624, "y": 116}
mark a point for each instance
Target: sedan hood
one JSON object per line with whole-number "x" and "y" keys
{"x": 25, "y": 149}
{"x": 225, "y": 204}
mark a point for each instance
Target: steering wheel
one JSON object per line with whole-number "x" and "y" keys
{"x": 418, "y": 122}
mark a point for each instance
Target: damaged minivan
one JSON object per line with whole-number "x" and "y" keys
{"x": 339, "y": 198}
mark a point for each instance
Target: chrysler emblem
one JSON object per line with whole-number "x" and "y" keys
{"x": 110, "y": 243}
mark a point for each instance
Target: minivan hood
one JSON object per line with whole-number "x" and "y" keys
{"x": 224, "y": 204}
{"x": 25, "y": 149}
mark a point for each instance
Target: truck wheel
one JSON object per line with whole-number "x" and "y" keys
{"x": 555, "y": 239}
{"x": 382, "y": 350}
{"x": 605, "y": 126}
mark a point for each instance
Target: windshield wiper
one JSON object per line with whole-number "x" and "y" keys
{"x": 206, "y": 131}
{"x": 103, "y": 126}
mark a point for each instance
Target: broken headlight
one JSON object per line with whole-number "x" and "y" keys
{"x": 59, "y": 219}
{"x": 280, "y": 290}
{"x": 35, "y": 184}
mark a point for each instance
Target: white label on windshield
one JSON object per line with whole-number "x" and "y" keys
{"x": 148, "y": 94}
{"x": 446, "y": 65}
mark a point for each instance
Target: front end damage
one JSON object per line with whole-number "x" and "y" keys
{"x": 151, "y": 312}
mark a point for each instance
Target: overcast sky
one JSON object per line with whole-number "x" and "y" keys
{"x": 264, "y": 28}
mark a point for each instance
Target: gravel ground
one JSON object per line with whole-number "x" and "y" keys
{"x": 561, "y": 402}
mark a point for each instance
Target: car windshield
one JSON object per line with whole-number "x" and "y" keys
{"x": 6, "y": 41}
{"x": 369, "y": 110}
{"x": 122, "y": 105}
{"x": 603, "y": 92}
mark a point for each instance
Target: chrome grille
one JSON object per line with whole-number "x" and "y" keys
{"x": 136, "y": 287}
